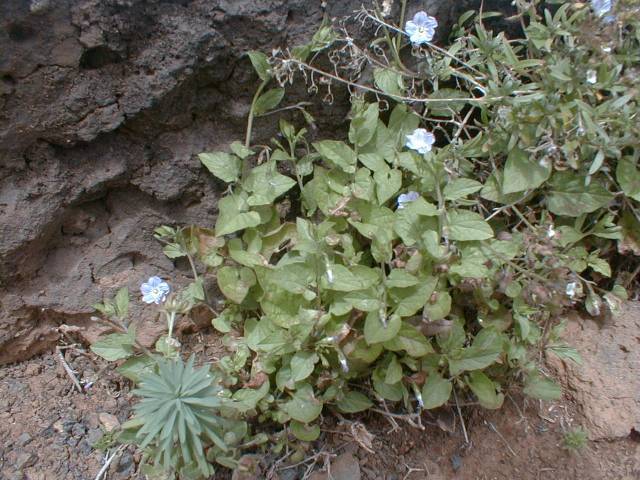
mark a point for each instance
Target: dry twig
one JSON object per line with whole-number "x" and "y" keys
{"x": 68, "y": 369}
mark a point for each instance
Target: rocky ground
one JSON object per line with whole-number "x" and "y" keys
{"x": 49, "y": 430}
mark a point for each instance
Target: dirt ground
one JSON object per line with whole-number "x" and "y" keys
{"x": 50, "y": 431}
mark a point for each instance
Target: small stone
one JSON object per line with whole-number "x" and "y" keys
{"x": 93, "y": 436}
{"x": 84, "y": 447}
{"x": 32, "y": 370}
{"x": 456, "y": 462}
{"x": 126, "y": 464}
{"x": 58, "y": 426}
{"x": 23, "y": 439}
{"x": 24, "y": 460}
{"x": 78, "y": 430}
{"x": 109, "y": 421}
{"x": 92, "y": 420}
{"x": 345, "y": 467}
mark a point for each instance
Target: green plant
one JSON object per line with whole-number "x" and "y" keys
{"x": 404, "y": 264}
{"x": 175, "y": 415}
{"x": 576, "y": 439}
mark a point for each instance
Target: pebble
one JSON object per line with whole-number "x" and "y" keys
{"x": 32, "y": 370}
{"x": 456, "y": 462}
{"x": 78, "y": 430}
{"x": 24, "y": 460}
{"x": 84, "y": 447}
{"x": 126, "y": 464}
{"x": 23, "y": 439}
{"x": 94, "y": 435}
{"x": 92, "y": 420}
{"x": 109, "y": 421}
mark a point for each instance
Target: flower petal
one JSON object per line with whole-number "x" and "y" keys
{"x": 149, "y": 298}
{"x": 421, "y": 18}
{"x": 411, "y": 28}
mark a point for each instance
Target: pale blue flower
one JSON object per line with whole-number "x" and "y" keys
{"x": 155, "y": 290}
{"x": 421, "y": 29}
{"x": 571, "y": 289}
{"x": 420, "y": 140}
{"x": 602, "y": 8}
{"x": 407, "y": 198}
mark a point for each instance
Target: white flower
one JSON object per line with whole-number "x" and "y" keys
{"x": 551, "y": 232}
{"x": 343, "y": 363}
{"x": 571, "y": 289}
{"x": 592, "y": 77}
{"x": 420, "y": 140}
{"x": 386, "y": 7}
{"x": 155, "y": 290}
{"x": 407, "y": 198}
{"x": 602, "y": 8}
{"x": 421, "y": 29}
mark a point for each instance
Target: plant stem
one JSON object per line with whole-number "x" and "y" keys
{"x": 247, "y": 140}
{"x": 403, "y": 10}
{"x": 395, "y": 97}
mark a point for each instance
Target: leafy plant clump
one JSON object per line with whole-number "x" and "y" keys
{"x": 482, "y": 190}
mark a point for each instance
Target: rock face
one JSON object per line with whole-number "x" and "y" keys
{"x": 103, "y": 106}
{"x": 606, "y": 387}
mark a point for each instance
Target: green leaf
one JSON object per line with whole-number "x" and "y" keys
{"x": 599, "y": 265}
{"x": 235, "y": 282}
{"x": 410, "y": 222}
{"x": 135, "y": 367}
{"x": 340, "y": 278}
{"x": 389, "y": 81}
{"x": 261, "y": 65}
{"x": 226, "y": 225}
{"x": 569, "y": 196}
{"x": 410, "y": 300}
{"x": 247, "y": 399}
{"x": 363, "y": 186}
{"x": 542, "y": 388}
{"x": 387, "y": 183}
{"x": 436, "y": 391}
{"x": 122, "y": 302}
{"x": 400, "y": 278}
{"x": 566, "y": 352}
{"x": 353, "y": 402}
{"x": 628, "y": 177}
{"x": 466, "y": 225}
{"x": 115, "y": 346}
{"x": 240, "y": 150}
{"x": 338, "y": 153}
{"x": 304, "y": 406}
{"x": 472, "y": 358}
{"x": 174, "y": 250}
{"x": 521, "y": 173}
{"x": 266, "y": 184}
{"x": 302, "y": 365}
{"x": 485, "y": 390}
{"x": 411, "y": 340}
{"x": 224, "y": 321}
{"x": 223, "y": 165}
{"x": 373, "y": 161}
{"x": 460, "y": 188}
{"x": 440, "y": 308}
{"x": 306, "y": 433}
{"x": 394, "y": 371}
{"x": 363, "y": 126}
{"x": 493, "y": 190}
{"x": 268, "y": 101}
{"x": 376, "y": 332}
